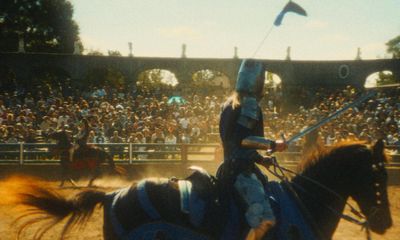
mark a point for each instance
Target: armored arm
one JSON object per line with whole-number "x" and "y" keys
{"x": 257, "y": 142}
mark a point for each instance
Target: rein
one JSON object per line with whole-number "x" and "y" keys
{"x": 279, "y": 172}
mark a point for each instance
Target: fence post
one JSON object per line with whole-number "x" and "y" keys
{"x": 130, "y": 153}
{"x": 21, "y": 153}
{"x": 184, "y": 153}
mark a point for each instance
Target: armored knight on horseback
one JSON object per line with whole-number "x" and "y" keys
{"x": 241, "y": 125}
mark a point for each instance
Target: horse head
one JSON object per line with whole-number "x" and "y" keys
{"x": 371, "y": 194}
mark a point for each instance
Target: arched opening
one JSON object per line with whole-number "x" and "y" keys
{"x": 156, "y": 82}
{"x": 273, "y": 92}
{"x": 272, "y": 80}
{"x": 8, "y": 81}
{"x": 50, "y": 80}
{"x": 209, "y": 81}
{"x": 379, "y": 78}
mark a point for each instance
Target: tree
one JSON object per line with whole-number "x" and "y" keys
{"x": 44, "y": 25}
{"x": 393, "y": 47}
{"x": 95, "y": 53}
{"x": 114, "y": 53}
{"x": 385, "y": 78}
{"x": 155, "y": 78}
{"x": 208, "y": 78}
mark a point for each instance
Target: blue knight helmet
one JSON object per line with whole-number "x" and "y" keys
{"x": 249, "y": 73}
{"x": 250, "y": 81}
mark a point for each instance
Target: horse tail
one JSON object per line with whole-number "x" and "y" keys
{"x": 48, "y": 208}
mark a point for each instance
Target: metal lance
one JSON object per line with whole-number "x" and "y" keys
{"x": 330, "y": 117}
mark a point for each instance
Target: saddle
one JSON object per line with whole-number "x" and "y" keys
{"x": 201, "y": 202}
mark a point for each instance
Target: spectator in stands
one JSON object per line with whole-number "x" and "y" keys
{"x": 158, "y": 137}
{"x": 100, "y": 138}
{"x": 170, "y": 138}
{"x": 9, "y": 121}
{"x": 184, "y": 137}
{"x": 140, "y": 139}
{"x": 117, "y": 149}
{"x": 147, "y": 135}
{"x": 195, "y": 133}
{"x": 3, "y": 134}
{"x": 91, "y": 137}
{"x": 184, "y": 121}
{"x": 12, "y": 139}
{"x": 63, "y": 118}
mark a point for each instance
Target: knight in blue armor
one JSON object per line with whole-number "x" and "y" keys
{"x": 241, "y": 132}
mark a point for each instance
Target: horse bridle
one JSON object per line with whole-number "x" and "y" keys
{"x": 376, "y": 168}
{"x": 378, "y": 193}
{"x": 279, "y": 172}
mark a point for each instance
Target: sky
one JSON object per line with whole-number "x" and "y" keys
{"x": 333, "y": 29}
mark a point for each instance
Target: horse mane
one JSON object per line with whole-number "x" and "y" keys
{"x": 321, "y": 153}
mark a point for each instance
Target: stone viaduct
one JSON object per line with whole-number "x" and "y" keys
{"x": 292, "y": 73}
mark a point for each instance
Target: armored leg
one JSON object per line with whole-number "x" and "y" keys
{"x": 259, "y": 214}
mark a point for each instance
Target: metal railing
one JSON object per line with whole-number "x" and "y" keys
{"x": 130, "y": 153}
{"x": 23, "y": 153}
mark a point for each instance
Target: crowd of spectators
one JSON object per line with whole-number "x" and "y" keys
{"x": 378, "y": 117}
{"x": 148, "y": 116}
{"x": 145, "y": 116}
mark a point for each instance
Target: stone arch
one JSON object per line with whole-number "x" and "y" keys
{"x": 157, "y": 80}
{"x": 273, "y": 91}
{"x": 207, "y": 78}
{"x": 385, "y": 76}
{"x": 8, "y": 82}
{"x": 272, "y": 79}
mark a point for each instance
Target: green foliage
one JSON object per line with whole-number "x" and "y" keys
{"x": 114, "y": 53}
{"x": 205, "y": 78}
{"x": 269, "y": 80}
{"x": 156, "y": 78}
{"x": 105, "y": 76}
{"x": 385, "y": 78}
{"x": 95, "y": 53}
{"x": 393, "y": 47}
{"x": 45, "y": 25}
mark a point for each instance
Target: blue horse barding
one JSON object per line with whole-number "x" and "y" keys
{"x": 307, "y": 207}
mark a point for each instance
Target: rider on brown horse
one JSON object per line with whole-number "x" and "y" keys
{"x": 63, "y": 149}
{"x": 83, "y": 134}
{"x": 83, "y": 151}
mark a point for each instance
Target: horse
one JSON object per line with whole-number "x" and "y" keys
{"x": 88, "y": 158}
{"x": 155, "y": 209}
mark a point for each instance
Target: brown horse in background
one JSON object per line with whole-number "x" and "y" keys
{"x": 89, "y": 158}
{"x": 323, "y": 186}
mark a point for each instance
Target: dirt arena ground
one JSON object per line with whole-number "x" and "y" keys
{"x": 93, "y": 230}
